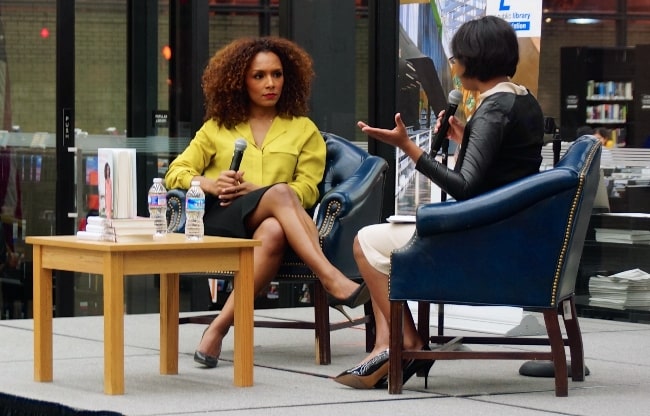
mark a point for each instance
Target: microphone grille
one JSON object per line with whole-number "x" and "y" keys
{"x": 240, "y": 144}
{"x": 455, "y": 97}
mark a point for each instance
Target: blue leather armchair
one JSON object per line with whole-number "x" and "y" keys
{"x": 519, "y": 245}
{"x": 351, "y": 197}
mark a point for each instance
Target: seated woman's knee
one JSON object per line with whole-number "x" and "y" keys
{"x": 282, "y": 192}
{"x": 271, "y": 233}
{"x": 356, "y": 248}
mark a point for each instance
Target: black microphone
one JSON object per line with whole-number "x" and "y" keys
{"x": 454, "y": 99}
{"x": 240, "y": 146}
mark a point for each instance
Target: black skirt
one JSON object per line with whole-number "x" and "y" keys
{"x": 229, "y": 221}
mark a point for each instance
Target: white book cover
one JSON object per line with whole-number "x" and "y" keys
{"x": 117, "y": 183}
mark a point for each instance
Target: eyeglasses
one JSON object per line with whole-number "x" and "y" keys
{"x": 452, "y": 60}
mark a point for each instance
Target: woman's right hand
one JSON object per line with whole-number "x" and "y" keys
{"x": 226, "y": 179}
{"x": 456, "y": 128}
{"x": 397, "y": 136}
{"x": 230, "y": 185}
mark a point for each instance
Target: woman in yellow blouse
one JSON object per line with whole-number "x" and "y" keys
{"x": 258, "y": 89}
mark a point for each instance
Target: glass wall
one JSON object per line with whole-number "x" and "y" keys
{"x": 28, "y": 167}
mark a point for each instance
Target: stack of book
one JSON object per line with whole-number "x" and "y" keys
{"x": 626, "y": 290}
{"x": 118, "y": 229}
{"x": 612, "y": 235}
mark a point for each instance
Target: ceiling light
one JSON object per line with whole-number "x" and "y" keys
{"x": 583, "y": 21}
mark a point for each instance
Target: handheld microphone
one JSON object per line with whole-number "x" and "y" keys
{"x": 454, "y": 98}
{"x": 240, "y": 146}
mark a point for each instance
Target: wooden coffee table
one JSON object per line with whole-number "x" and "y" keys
{"x": 168, "y": 257}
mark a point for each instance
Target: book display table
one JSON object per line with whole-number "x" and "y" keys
{"x": 168, "y": 257}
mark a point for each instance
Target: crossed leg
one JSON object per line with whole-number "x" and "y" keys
{"x": 279, "y": 220}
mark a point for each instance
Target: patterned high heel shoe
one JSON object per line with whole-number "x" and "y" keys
{"x": 359, "y": 297}
{"x": 368, "y": 375}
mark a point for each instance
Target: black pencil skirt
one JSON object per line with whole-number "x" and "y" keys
{"x": 229, "y": 221}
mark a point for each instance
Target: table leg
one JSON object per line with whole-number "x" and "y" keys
{"x": 42, "y": 318}
{"x": 244, "y": 298}
{"x": 169, "y": 304}
{"x": 113, "y": 323}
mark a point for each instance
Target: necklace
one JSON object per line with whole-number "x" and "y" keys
{"x": 262, "y": 119}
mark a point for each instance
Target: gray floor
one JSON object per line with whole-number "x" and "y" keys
{"x": 287, "y": 382}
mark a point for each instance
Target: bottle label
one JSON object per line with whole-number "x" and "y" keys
{"x": 195, "y": 204}
{"x": 157, "y": 200}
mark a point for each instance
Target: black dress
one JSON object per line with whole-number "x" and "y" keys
{"x": 229, "y": 221}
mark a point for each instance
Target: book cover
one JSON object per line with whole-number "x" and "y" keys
{"x": 117, "y": 182}
{"x": 105, "y": 182}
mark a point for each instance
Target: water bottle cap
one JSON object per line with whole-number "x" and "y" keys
{"x": 157, "y": 180}
{"x": 196, "y": 183}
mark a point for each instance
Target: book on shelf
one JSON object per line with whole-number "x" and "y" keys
{"x": 622, "y": 236}
{"x": 117, "y": 182}
{"x": 629, "y": 289}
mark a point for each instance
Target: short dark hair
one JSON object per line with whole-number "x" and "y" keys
{"x": 584, "y": 130}
{"x": 603, "y": 132}
{"x": 487, "y": 47}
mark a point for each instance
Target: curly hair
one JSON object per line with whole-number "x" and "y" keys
{"x": 224, "y": 79}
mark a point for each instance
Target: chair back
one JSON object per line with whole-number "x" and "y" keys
{"x": 518, "y": 245}
{"x": 342, "y": 161}
{"x": 352, "y": 192}
{"x": 582, "y": 159}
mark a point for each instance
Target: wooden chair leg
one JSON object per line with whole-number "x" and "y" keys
{"x": 322, "y": 325}
{"x": 371, "y": 329}
{"x": 395, "y": 381}
{"x": 570, "y": 317}
{"x": 441, "y": 319}
{"x": 557, "y": 350}
{"x": 424, "y": 308}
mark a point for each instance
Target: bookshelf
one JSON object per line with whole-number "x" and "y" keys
{"x": 606, "y": 87}
{"x": 607, "y": 105}
{"x": 607, "y": 258}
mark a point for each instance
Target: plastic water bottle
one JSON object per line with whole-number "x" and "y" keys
{"x": 158, "y": 207}
{"x": 194, "y": 209}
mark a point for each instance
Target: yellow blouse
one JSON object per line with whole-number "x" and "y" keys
{"x": 293, "y": 151}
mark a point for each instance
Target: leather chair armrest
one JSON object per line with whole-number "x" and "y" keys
{"x": 346, "y": 208}
{"x": 348, "y": 196}
{"x": 492, "y": 206}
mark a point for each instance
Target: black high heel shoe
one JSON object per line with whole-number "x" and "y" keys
{"x": 415, "y": 366}
{"x": 360, "y": 296}
{"x": 368, "y": 375}
{"x": 207, "y": 360}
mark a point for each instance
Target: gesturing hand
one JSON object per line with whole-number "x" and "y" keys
{"x": 396, "y": 137}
